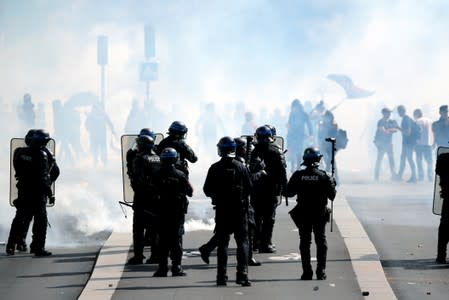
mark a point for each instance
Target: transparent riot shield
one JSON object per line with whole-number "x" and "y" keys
{"x": 128, "y": 142}
{"x": 18, "y": 143}
{"x": 437, "y": 200}
{"x": 278, "y": 140}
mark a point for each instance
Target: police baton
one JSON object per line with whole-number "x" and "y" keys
{"x": 333, "y": 142}
{"x": 130, "y": 205}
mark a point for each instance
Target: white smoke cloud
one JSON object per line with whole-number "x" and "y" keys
{"x": 264, "y": 53}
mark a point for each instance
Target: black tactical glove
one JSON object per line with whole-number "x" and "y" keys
{"x": 51, "y": 200}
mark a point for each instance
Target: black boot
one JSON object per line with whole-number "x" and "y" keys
{"x": 22, "y": 247}
{"x": 253, "y": 262}
{"x": 152, "y": 260}
{"x": 160, "y": 272}
{"x": 177, "y": 271}
{"x": 41, "y": 252}
{"x": 307, "y": 275}
{"x": 242, "y": 279}
{"x": 267, "y": 249}
{"x": 10, "y": 249}
{"x": 321, "y": 274}
{"x": 136, "y": 260}
{"x": 222, "y": 280}
{"x": 204, "y": 254}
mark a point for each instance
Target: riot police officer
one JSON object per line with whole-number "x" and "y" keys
{"x": 228, "y": 184}
{"x": 173, "y": 187}
{"x": 36, "y": 170}
{"x": 267, "y": 188}
{"x": 313, "y": 187}
{"x": 17, "y": 240}
{"x": 441, "y": 169}
{"x": 144, "y": 165}
{"x": 176, "y": 140}
{"x": 150, "y": 233}
{"x": 207, "y": 248}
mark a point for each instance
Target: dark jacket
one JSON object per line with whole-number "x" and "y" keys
{"x": 35, "y": 171}
{"x": 271, "y": 156}
{"x": 184, "y": 151}
{"x": 172, "y": 187}
{"x": 313, "y": 187}
{"x": 144, "y": 166}
{"x": 229, "y": 185}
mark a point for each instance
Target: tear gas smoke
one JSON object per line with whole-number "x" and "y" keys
{"x": 256, "y": 56}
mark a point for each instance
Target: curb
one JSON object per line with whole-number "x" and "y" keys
{"x": 364, "y": 257}
{"x": 108, "y": 268}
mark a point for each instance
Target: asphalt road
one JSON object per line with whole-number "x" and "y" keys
{"x": 60, "y": 276}
{"x": 399, "y": 221}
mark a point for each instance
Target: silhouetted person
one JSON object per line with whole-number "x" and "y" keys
{"x": 313, "y": 188}
{"x": 383, "y": 140}
{"x": 35, "y": 170}
{"x": 208, "y": 126}
{"x": 173, "y": 188}
{"x": 249, "y": 127}
{"x": 440, "y": 128}
{"x": 442, "y": 170}
{"x": 423, "y": 146}
{"x": 176, "y": 139}
{"x": 228, "y": 185}
{"x": 298, "y": 120}
{"x": 269, "y": 187}
{"x": 408, "y": 145}
{"x": 328, "y": 128}
{"x": 97, "y": 123}
{"x": 26, "y": 112}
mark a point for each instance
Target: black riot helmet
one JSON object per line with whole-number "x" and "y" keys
{"x": 264, "y": 134}
{"x": 148, "y": 132}
{"x": 39, "y": 138}
{"x": 272, "y": 128}
{"x": 312, "y": 157}
{"x": 240, "y": 146}
{"x": 169, "y": 156}
{"x": 226, "y": 147}
{"x": 145, "y": 143}
{"x": 178, "y": 129}
{"x": 29, "y": 136}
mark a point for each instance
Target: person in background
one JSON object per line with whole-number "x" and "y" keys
{"x": 423, "y": 146}
{"x": 383, "y": 140}
{"x": 440, "y": 128}
{"x": 409, "y": 138}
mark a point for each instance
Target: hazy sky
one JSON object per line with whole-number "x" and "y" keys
{"x": 264, "y": 53}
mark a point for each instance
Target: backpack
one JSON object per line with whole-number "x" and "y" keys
{"x": 341, "y": 139}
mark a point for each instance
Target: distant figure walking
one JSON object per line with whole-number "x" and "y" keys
{"x": 423, "y": 147}
{"x": 383, "y": 140}
{"x": 298, "y": 120}
{"x": 97, "y": 123}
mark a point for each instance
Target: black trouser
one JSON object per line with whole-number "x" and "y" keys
{"x": 212, "y": 243}
{"x": 265, "y": 216}
{"x": 305, "y": 236}
{"x": 223, "y": 233}
{"x": 443, "y": 231}
{"x": 142, "y": 222}
{"x": 19, "y": 227}
{"x": 171, "y": 233}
